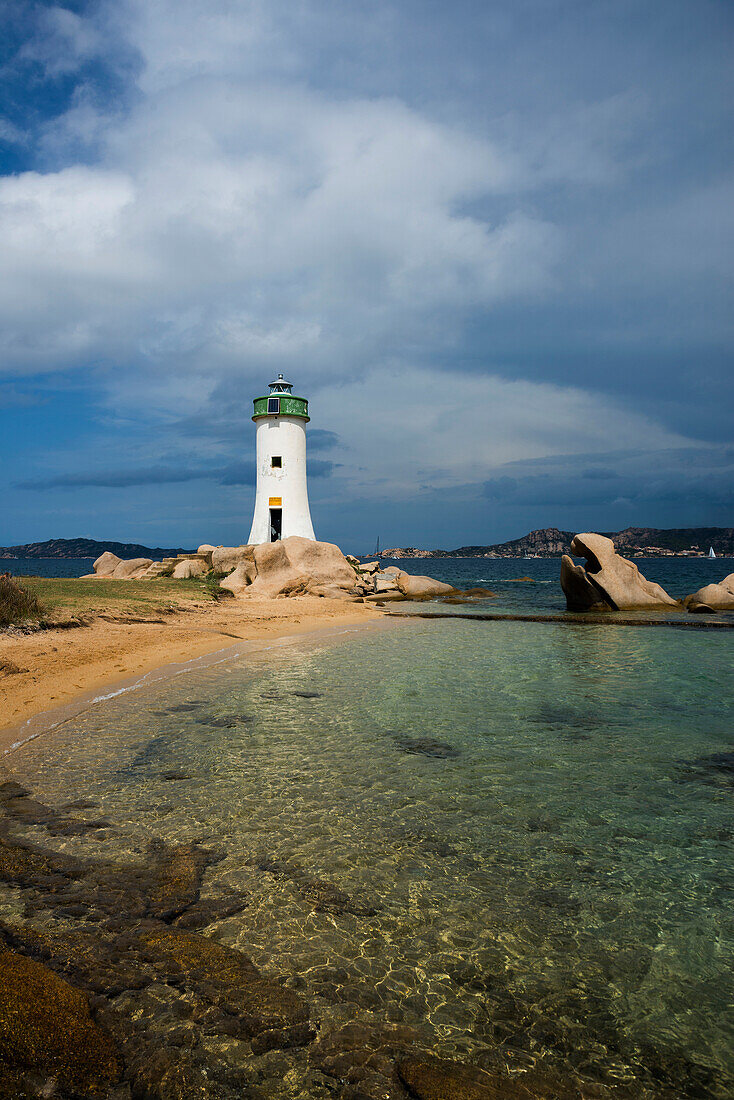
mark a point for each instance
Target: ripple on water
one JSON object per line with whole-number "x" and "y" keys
{"x": 512, "y": 838}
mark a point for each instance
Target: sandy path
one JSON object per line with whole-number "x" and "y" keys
{"x": 59, "y": 666}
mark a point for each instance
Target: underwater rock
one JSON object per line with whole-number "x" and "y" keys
{"x": 429, "y": 1078}
{"x": 26, "y": 865}
{"x": 176, "y": 877}
{"x": 208, "y": 910}
{"x": 87, "y": 959}
{"x": 717, "y": 768}
{"x": 327, "y": 898}
{"x": 166, "y": 885}
{"x": 427, "y": 746}
{"x": 363, "y": 1056}
{"x": 46, "y": 1028}
{"x": 229, "y": 980}
{"x": 324, "y": 896}
{"x": 307, "y": 694}
{"x": 16, "y": 803}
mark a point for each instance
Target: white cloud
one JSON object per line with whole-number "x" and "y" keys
{"x": 261, "y": 211}
{"x": 407, "y": 427}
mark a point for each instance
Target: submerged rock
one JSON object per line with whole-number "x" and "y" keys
{"x": 324, "y": 896}
{"x": 607, "y": 578}
{"x": 228, "y": 979}
{"x": 427, "y": 746}
{"x": 46, "y": 1028}
{"x": 717, "y": 768}
{"x": 429, "y": 1078}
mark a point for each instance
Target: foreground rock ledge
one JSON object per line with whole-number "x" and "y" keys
{"x": 607, "y": 581}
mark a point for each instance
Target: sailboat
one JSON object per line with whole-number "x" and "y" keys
{"x": 377, "y": 547}
{"x": 711, "y": 552}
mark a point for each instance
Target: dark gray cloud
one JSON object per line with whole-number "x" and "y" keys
{"x": 234, "y": 473}
{"x": 474, "y": 234}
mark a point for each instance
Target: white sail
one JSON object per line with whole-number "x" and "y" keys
{"x": 711, "y": 552}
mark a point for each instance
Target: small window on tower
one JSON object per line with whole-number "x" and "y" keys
{"x": 276, "y": 461}
{"x": 274, "y": 405}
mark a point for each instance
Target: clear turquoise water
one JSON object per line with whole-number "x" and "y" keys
{"x": 538, "y": 814}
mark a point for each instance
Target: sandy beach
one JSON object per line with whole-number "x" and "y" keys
{"x": 49, "y": 669}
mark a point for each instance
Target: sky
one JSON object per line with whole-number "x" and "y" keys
{"x": 491, "y": 242}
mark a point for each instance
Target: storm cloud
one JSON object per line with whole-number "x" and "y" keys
{"x": 473, "y": 236}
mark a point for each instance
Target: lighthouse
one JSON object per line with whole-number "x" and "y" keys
{"x": 281, "y": 498}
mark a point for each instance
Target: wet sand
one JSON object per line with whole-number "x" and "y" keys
{"x": 50, "y": 669}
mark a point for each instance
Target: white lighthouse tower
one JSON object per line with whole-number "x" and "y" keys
{"x": 281, "y": 500}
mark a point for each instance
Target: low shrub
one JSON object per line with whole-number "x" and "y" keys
{"x": 17, "y": 604}
{"x": 213, "y": 587}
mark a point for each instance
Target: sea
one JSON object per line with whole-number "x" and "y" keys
{"x": 533, "y": 821}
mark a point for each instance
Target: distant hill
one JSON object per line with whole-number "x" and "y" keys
{"x": 87, "y": 548}
{"x": 549, "y": 542}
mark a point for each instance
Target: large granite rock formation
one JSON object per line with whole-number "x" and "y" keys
{"x": 291, "y": 567}
{"x": 295, "y": 566}
{"x": 712, "y": 597}
{"x": 422, "y": 588}
{"x": 607, "y": 579}
{"x": 226, "y": 558}
{"x": 109, "y": 566}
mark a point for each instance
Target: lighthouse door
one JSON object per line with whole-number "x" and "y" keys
{"x": 276, "y": 524}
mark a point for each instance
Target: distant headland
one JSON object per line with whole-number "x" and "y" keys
{"x": 549, "y": 542}
{"x": 87, "y": 548}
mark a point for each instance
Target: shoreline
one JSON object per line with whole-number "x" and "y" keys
{"x": 50, "y": 676}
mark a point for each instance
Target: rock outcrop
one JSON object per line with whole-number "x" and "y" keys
{"x": 607, "y": 579}
{"x": 422, "y": 588}
{"x": 226, "y": 558}
{"x": 291, "y": 567}
{"x": 190, "y": 567}
{"x": 109, "y": 566}
{"x": 241, "y": 577}
{"x": 106, "y": 564}
{"x": 712, "y": 597}
{"x": 296, "y": 565}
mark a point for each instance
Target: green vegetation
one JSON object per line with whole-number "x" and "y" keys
{"x": 212, "y": 582}
{"x": 17, "y": 603}
{"x": 77, "y": 597}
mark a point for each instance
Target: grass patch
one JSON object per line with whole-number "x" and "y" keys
{"x": 78, "y": 597}
{"x": 18, "y": 604}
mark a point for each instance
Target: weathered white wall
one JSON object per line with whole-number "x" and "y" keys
{"x": 284, "y": 436}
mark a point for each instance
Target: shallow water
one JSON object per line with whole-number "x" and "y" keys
{"x": 533, "y": 822}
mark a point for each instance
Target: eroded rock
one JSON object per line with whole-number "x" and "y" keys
{"x": 607, "y": 577}
{"x": 227, "y": 558}
{"x": 106, "y": 564}
{"x": 712, "y": 597}
{"x": 422, "y": 588}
